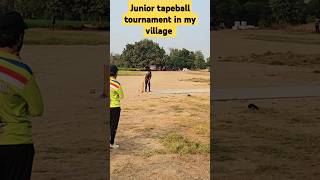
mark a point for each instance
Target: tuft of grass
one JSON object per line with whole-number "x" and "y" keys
{"x": 180, "y": 145}
{"x": 150, "y": 153}
{"x": 177, "y": 109}
{"x": 202, "y": 129}
{"x": 198, "y": 80}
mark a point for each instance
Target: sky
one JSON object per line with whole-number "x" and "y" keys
{"x": 193, "y": 38}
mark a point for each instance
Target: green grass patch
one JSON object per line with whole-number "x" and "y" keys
{"x": 180, "y": 145}
{"x": 286, "y": 38}
{"x": 131, "y": 69}
{"x": 278, "y": 58}
{"x": 130, "y": 73}
{"x": 47, "y": 37}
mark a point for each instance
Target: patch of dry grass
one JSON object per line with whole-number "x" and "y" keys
{"x": 181, "y": 145}
{"x": 198, "y": 80}
{"x": 278, "y": 58}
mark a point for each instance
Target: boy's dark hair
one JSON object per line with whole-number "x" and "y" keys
{"x": 113, "y": 70}
{"x": 12, "y": 27}
{"x": 9, "y": 39}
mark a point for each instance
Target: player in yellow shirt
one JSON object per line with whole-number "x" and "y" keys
{"x": 116, "y": 94}
{"x": 20, "y": 99}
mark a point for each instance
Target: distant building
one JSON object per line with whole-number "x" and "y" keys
{"x": 242, "y": 25}
{"x": 153, "y": 67}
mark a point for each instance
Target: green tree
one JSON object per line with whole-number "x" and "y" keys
{"x": 314, "y": 8}
{"x": 180, "y": 59}
{"x": 142, "y": 54}
{"x": 288, "y": 11}
{"x": 198, "y": 60}
{"x": 228, "y": 11}
{"x": 257, "y": 12}
{"x": 209, "y": 62}
{"x": 31, "y": 8}
{"x": 6, "y": 5}
{"x": 116, "y": 60}
{"x": 54, "y": 8}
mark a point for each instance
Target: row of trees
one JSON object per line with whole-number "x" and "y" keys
{"x": 146, "y": 52}
{"x": 80, "y": 10}
{"x": 264, "y": 12}
{"x": 6, "y": 5}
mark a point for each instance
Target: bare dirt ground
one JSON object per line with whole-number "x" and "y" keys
{"x": 163, "y": 136}
{"x": 280, "y": 140}
{"x": 70, "y": 139}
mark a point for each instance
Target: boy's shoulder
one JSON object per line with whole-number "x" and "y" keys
{"x": 115, "y": 81}
{"x": 17, "y": 63}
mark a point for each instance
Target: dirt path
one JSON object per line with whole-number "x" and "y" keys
{"x": 266, "y": 93}
{"x": 146, "y": 118}
{"x": 70, "y": 138}
{"x": 180, "y": 91}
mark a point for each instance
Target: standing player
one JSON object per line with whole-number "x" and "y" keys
{"x": 116, "y": 94}
{"x": 20, "y": 99}
{"x": 317, "y": 26}
{"x": 53, "y": 22}
{"x": 147, "y": 80}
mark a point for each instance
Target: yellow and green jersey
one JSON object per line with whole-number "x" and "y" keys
{"x": 20, "y": 99}
{"x": 116, "y": 93}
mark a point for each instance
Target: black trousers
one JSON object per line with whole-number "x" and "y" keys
{"x": 16, "y": 161}
{"x": 114, "y": 122}
{"x": 147, "y": 84}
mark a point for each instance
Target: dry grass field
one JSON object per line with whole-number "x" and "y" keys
{"x": 163, "y": 135}
{"x": 280, "y": 140}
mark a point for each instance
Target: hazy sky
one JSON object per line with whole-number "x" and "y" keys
{"x": 190, "y": 37}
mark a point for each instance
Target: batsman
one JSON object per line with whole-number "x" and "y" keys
{"x": 147, "y": 80}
